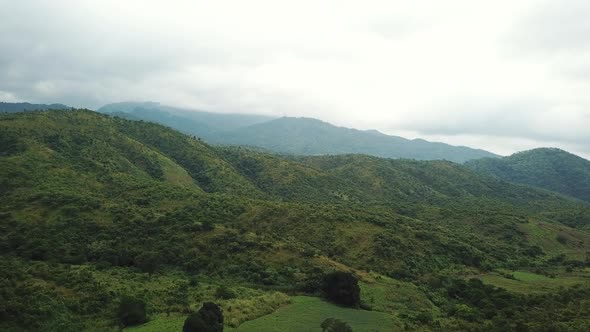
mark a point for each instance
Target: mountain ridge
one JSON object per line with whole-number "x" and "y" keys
{"x": 308, "y": 136}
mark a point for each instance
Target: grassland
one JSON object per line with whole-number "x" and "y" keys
{"x": 525, "y": 282}
{"x": 304, "y": 314}
{"x": 395, "y": 296}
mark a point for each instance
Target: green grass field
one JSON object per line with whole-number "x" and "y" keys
{"x": 160, "y": 323}
{"x": 395, "y": 296}
{"x": 528, "y": 282}
{"x": 304, "y": 314}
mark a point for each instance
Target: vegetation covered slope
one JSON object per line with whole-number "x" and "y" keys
{"x": 548, "y": 168}
{"x": 96, "y": 209}
{"x": 299, "y": 136}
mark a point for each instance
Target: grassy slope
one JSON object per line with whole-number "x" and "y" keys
{"x": 526, "y": 282}
{"x": 304, "y": 314}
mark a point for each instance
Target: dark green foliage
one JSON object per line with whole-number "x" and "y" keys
{"x": 342, "y": 288}
{"x": 195, "y": 323}
{"x": 147, "y": 261}
{"x": 552, "y": 169}
{"x": 132, "y": 312}
{"x": 483, "y": 305}
{"x": 208, "y": 319}
{"x": 335, "y": 325}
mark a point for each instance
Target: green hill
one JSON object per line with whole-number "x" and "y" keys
{"x": 98, "y": 208}
{"x": 299, "y": 136}
{"x": 551, "y": 169}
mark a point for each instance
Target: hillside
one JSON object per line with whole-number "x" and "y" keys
{"x": 96, "y": 209}
{"x": 551, "y": 169}
{"x": 19, "y": 107}
{"x": 299, "y": 136}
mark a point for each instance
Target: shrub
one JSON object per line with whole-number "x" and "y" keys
{"x": 342, "y": 288}
{"x": 132, "y": 312}
{"x": 208, "y": 319}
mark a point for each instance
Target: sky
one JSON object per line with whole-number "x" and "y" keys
{"x": 499, "y": 75}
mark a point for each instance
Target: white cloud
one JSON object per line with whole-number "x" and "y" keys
{"x": 460, "y": 71}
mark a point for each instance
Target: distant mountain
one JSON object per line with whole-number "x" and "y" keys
{"x": 299, "y": 136}
{"x": 305, "y": 136}
{"x": 547, "y": 168}
{"x": 19, "y": 107}
{"x": 193, "y": 122}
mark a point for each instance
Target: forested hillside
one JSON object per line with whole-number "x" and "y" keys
{"x": 98, "y": 209}
{"x": 298, "y": 136}
{"x": 548, "y": 168}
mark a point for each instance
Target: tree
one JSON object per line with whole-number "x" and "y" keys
{"x": 208, "y": 319}
{"x": 342, "y": 288}
{"x": 132, "y": 312}
{"x": 195, "y": 323}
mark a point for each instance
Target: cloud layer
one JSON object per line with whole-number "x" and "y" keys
{"x": 501, "y": 75}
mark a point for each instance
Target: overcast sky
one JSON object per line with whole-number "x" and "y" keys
{"x": 499, "y": 75}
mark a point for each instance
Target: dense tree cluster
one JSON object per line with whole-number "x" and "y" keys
{"x": 342, "y": 288}
{"x": 132, "y": 312}
{"x": 208, "y": 319}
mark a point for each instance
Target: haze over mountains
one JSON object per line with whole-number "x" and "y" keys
{"x": 299, "y": 136}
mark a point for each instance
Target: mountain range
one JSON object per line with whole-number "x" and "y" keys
{"x": 298, "y": 136}
{"x": 97, "y": 209}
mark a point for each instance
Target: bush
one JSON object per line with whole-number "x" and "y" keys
{"x": 132, "y": 312}
{"x": 208, "y": 319}
{"x": 342, "y": 288}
